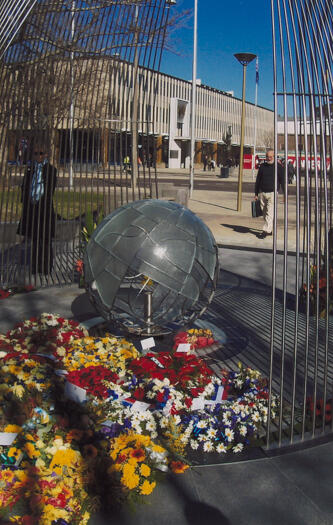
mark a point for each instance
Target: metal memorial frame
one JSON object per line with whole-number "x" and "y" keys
{"x": 75, "y": 80}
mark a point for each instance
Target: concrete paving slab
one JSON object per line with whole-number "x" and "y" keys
{"x": 311, "y": 471}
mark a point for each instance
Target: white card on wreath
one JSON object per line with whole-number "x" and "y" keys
{"x": 218, "y": 399}
{"x": 49, "y": 356}
{"x": 7, "y": 438}
{"x": 198, "y": 403}
{"x": 183, "y": 347}
{"x": 75, "y": 393}
{"x": 60, "y": 372}
{"x": 157, "y": 362}
{"x": 140, "y": 406}
{"x": 147, "y": 343}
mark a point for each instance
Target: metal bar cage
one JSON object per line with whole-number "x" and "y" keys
{"x": 300, "y": 366}
{"x": 76, "y": 88}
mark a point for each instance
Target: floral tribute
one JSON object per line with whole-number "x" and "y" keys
{"x": 8, "y": 292}
{"x": 197, "y": 338}
{"x": 318, "y": 279}
{"x": 90, "y": 421}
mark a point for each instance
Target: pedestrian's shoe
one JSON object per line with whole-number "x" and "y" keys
{"x": 263, "y": 235}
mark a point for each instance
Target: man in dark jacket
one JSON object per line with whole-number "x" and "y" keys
{"x": 38, "y": 218}
{"x": 264, "y": 190}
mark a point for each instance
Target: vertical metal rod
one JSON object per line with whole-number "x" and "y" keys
{"x": 241, "y": 153}
{"x": 255, "y": 120}
{"x": 71, "y": 115}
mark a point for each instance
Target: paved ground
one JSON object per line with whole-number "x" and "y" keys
{"x": 290, "y": 489}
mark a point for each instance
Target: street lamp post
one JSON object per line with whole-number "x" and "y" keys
{"x": 244, "y": 59}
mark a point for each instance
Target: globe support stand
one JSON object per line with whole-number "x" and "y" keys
{"x": 148, "y": 311}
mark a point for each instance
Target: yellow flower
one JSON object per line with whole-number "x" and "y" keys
{"x": 147, "y": 488}
{"x": 129, "y": 478}
{"x": 7, "y": 475}
{"x": 22, "y": 475}
{"x": 18, "y": 390}
{"x": 51, "y": 513}
{"x": 145, "y": 470}
{"x": 142, "y": 440}
{"x": 61, "y": 458}
{"x": 31, "y": 451}
{"x": 158, "y": 448}
{"x": 14, "y": 452}
{"x": 13, "y": 428}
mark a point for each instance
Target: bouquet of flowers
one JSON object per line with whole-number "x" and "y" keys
{"x": 135, "y": 458}
{"x": 70, "y": 455}
{"x": 318, "y": 279}
{"x": 48, "y": 334}
{"x": 197, "y": 338}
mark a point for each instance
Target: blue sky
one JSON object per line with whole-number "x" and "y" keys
{"x": 225, "y": 28}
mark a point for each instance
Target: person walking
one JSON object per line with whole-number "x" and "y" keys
{"x": 264, "y": 190}
{"x": 38, "y": 218}
{"x": 204, "y": 160}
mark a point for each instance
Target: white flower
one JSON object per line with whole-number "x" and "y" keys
{"x": 194, "y": 444}
{"x": 226, "y": 417}
{"x": 221, "y": 448}
{"x": 163, "y": 422}
{"x": 151, "y": 426}
{"x": 176, "y": 419}
{"x": 150, "y": 395}
{"x": 208, "y": 447}
{"x": 243, "y": 430}
{"x": 238, "y": 448}
{"x": 51, "y": 322}
{"x": 229, "y": 434}
{"x": 211, "y": 432}
{"x": 202, "y": 424}
{"x": 255, "y": 417}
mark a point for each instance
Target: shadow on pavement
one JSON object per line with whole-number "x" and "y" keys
{"x": 213, "y": 204}
{"x": 242, "y": 229}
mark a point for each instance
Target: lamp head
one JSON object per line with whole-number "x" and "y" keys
{"x": 245, "y": 58}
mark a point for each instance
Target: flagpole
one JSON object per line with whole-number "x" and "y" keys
{"x": 255, "y": 118}
{"x": 193, "y": 101}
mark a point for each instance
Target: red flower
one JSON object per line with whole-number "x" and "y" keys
{"x": 160, "y": 397}
{"x": 121, "y": 458}
{"x": 4, "y": 293}
{"x": 79, "y": 266}
{"x": 188, "y": 402}
{"x": 139, "y": 394}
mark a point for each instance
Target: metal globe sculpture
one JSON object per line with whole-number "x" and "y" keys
{"x": 151, "y": 263}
